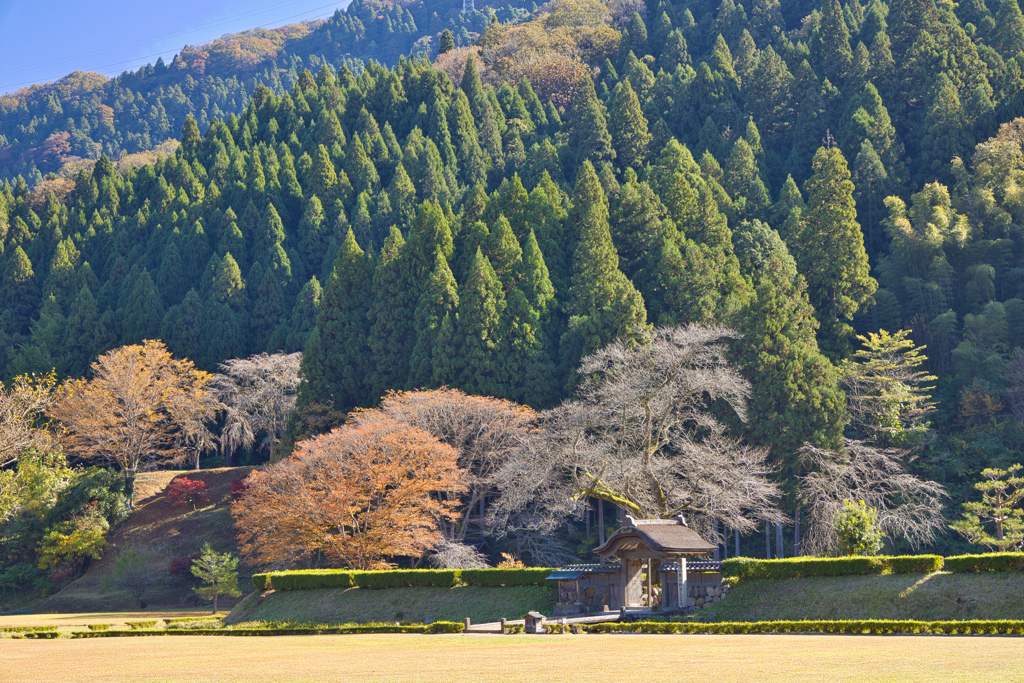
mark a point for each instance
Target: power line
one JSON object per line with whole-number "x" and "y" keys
{"x": 5, "y": 88}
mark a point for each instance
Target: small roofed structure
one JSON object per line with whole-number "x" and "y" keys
{"x": 533, "y": 622}
{"x": 647, "y": 551}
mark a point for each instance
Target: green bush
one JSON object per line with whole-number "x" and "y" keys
{"x": 989, "y": 562}
{"x": 40, "y": 634}
{"x": 446, "y": 627}
{"x": 913, "y": 564}
{"x": 530, "y": 576}
{"x": 441, "y": 578}
{"x": 194, "y": 617}
{"x": 310, "y": 579}
{"x": 745, "y": 568}
{"x": 849, "y": 627}
{"x": 135, "y": 625}
{"x": 515, "y": 628}
{"x": 98, "y": 627}
{"x": 24, "y": 629}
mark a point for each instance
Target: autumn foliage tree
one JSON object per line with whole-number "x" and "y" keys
{"x": 356, "y": 497}
{"x": 484, "y": 431}
{"x": 141, "y": 405}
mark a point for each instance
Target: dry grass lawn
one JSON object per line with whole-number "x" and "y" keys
{"x": 516, "y": 658}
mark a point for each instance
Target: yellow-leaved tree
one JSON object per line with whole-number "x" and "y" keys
{"x": 141, "y": 406}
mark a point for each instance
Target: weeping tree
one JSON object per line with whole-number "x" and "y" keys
{"x": 908, "y": 508}
{"x": 646, "y": 432}
{"x": 258, "y": 394}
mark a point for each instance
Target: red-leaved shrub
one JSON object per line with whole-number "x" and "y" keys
{"x": 185, "y": 491}
{"x": 182, "y": 566}
{"x": 238, "y": 487}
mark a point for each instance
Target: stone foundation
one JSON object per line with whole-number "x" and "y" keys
{"x": 704, "y": 596}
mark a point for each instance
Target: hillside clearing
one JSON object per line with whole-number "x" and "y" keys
{"x": 173, "y": 530}
{"x": 512, "y": 658}
{"x": 931, "y": 597}
{"x": 363, "y": 605}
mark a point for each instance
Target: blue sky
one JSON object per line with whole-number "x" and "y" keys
{"x": 42, "y": 40}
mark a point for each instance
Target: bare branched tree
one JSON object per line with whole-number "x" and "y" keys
{"x": 642, "y": 434}
{"x": 908, "y": 507}
{"x": 259, "y": 395}
{"x": 450, "y": 555}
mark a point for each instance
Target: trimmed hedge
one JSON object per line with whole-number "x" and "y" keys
{"x": 44, "y": 634}
{"x": 744, "y": 568}
{"x": 849, "y": 627}
{"x": 310, "y": 579}
{"x": 440, "y": 578}
{"x": 136, "y": 625}
{"x": 25, "y": 629}
{"x": 990, "y": 562}
{"x": 530, "y": 576}
{"x": 914, "y": 564}
{"x": 436, "y": 627}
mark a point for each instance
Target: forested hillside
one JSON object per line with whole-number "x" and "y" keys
{"x": 801, "y": 173}
{"x": 82, "y": 115}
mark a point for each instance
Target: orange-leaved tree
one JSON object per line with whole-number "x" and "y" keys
{"x": 356, "y": 496}
{"x": 485, "y": 431}
{"x": 141, "y": 405}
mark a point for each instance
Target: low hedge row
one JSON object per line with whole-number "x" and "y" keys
{"x": 436, "y": 627}
{"x": 741, "y": 568}
{"x": 528, "y": 576}
{"x": 24, "y": 629}
{"x": 990, "y": 562}
{"x": 870, "y": 626}
{"x": 803, "y": 567}
{"x": 441, "y": 578}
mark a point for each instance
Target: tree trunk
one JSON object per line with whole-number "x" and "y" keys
{"x": 718, "y": 541}
{"x": 590, "y": 509}
{"x": 215, "y": 602}
{"x": 736, "y": 533}
{"x": 600, "y": 524}
{"x": 767, "y": 541}
{"x": 483, "y": 515}
{"x": 796, "y": 533}
{"x": 778, "y": 540}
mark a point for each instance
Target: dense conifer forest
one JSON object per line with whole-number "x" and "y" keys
{"x": 557, "y": 178}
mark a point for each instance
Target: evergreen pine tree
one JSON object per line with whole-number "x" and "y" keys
{"x": 589, "y": 139}
{"x": 439, "y": 300}
{"x": 337, "y": 370}
{"x": 829, "y": 251}
{"x": 602, "y": 302}
{"x": 481, "y": 304}
{"x": 628, "y": 127}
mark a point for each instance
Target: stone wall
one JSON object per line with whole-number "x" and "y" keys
{"x": 704, "y": 596}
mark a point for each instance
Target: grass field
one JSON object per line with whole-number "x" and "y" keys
{"x": 932, "y": 597}
{"x": 723, "y": 659}
{"x": 361, "y": 605}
